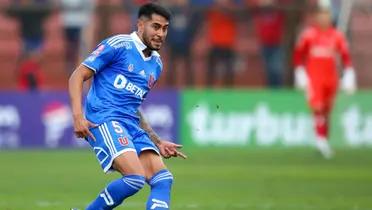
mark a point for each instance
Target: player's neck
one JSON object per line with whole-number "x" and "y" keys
{"x": 324, "y": 27}
{"x": 147, "y": 52}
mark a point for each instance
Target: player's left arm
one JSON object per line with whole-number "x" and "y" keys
{"x": 348, "y": 81}
{"x": 299, "y": 57}
{"x": 167, "y": 148}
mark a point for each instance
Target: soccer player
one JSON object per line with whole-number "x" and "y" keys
{"x": 316, "y": 72}
{"x": 124, "y": 68}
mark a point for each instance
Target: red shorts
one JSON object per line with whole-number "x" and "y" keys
{"x": 320, "y": 96}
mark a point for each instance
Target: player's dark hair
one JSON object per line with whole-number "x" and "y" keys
{"x": 147, "y": 10}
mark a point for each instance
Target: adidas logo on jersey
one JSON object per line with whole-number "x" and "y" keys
{"x": 130, "y": 67}
{"x": 142, "y": 73}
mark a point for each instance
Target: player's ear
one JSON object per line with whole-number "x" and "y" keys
{"x": 140, "y": 25}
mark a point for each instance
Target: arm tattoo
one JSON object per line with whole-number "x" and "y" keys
{"x": 146, "y": 126}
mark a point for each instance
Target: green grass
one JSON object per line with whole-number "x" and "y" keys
{"x": 211, "y": 179}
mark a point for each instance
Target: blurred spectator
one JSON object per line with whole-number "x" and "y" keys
{"x": 221, "y": 33}
{"x": 269, "y": 25}
{"x": 76, "y": 15}
{"x": 180, "y": 37}
{"x": 29, "y": 73}
{"x": 31, "y": 15}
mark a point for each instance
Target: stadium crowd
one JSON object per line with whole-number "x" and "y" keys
{"x": 211, "y": 43}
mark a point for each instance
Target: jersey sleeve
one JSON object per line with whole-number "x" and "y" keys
{"x": 159, "y": 69}
{"x": 100, "y": 57}
{"x": 343, "y": 49}
{"x": 159, "y": 64}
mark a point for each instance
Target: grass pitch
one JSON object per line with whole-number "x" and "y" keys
{"x": 211, "y": 179}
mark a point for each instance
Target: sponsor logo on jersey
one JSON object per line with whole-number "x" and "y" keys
{"x": 91, "y": 58}
{"x": 98, "y": 50}
{"x": 95, "y": 53}
{"x": 121, "y": 82}
{"x": 321, "y": 51}
{"x": 125, "y": 45}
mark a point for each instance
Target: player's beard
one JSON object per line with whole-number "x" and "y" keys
{"x": 147, "y": 42}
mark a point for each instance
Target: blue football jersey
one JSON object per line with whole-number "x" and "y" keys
{"x": 123, "y": 77}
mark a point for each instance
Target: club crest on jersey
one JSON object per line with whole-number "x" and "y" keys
{"x": 151, "y": 81}
{"x": 123, "y": 140}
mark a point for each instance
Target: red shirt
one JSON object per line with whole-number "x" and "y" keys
{"x": 221, "y": 29}
{"x": 317, "y": 49}
{"x": 269, "y": 26}
{"x": 27, "y": 68}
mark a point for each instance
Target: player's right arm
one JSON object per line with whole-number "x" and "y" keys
{"x": 96, "y": 62}
{"x": 75, "y": 87}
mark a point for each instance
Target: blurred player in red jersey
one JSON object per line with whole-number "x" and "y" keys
{"x": 316, "y": 71}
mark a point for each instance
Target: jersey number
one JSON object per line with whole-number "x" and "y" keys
{"x": 117, "y": 127}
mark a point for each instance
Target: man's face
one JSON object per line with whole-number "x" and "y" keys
{"x": 153, "y": 31}
{"x": 324, "y": 19}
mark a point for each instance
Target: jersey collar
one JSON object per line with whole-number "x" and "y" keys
{"x": 141, "y": 46}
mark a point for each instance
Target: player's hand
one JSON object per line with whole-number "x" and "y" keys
{"x": 348, "y": 81}
{"x": 81, "y": 127}
{"x": 169, "y": 149}
{"x": 301, "y": 80}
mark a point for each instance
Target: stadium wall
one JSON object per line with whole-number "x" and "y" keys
{"x": 195, "y": 118}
